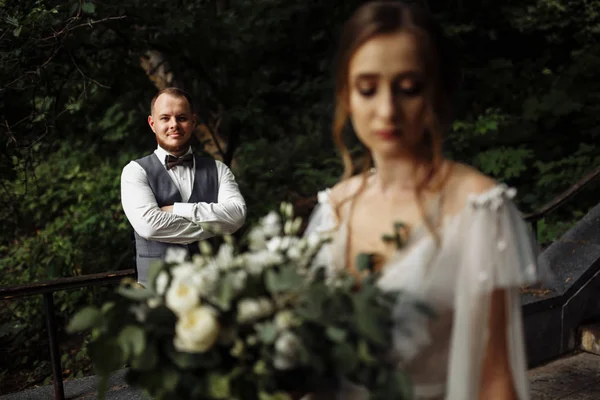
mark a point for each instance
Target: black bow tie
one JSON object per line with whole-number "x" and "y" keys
{"x": 172, "y": 161}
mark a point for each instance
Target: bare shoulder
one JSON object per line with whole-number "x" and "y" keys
{"x": 463, "y": 182}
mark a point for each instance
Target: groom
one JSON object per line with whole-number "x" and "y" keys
{"x": 167, "y": 194}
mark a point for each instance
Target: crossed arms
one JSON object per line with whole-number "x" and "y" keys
{"x": 180, "y": 223}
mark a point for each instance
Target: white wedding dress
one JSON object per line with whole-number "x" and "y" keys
{"x": 484, "y": 247}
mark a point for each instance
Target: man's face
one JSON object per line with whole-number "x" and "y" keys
{"x": 173, "y": 123}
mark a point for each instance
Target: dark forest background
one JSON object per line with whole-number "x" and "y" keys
{"x": 77, "y": 76}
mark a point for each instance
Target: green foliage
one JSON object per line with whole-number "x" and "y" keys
{"x": 262, "y": 322}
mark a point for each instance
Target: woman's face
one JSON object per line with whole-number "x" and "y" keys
{"x": 386, "y": 94}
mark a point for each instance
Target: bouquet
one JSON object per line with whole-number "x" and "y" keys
{"x": 251, "y": 320}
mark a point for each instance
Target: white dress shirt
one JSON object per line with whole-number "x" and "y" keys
{"x": 182, "y": 225}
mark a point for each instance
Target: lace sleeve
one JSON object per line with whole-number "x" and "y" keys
{"x": 498, "y": 252}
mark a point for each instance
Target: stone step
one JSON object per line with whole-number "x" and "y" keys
{"x": 590, "y": 338}
{"x": 576, "y": 377}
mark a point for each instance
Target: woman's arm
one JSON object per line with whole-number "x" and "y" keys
{"x": 496, "y": 377}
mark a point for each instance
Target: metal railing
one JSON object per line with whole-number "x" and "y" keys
{"x": 47, "y": 289}
{"x": 534, "y": 217}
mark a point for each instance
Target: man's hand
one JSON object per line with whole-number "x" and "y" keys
{"x": 168, "y": 209}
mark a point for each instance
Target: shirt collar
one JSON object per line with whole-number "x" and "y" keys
{"x": 162, "y": 153}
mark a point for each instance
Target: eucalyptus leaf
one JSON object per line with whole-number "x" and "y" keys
{"x": 85, "y": 318}
{"x": 336, "y": 334}
{"x": 156, "y": 267}
{"x": 226, "y": 292}
{"x": 267, "y": 332}
{"x": 345, "y": 357}
{"x": 106, "y": 355}
{"x": 367, "y": 320}
{"x": 365, "y": 262}
{"x": 187, "y": 361}
{"x": 218, "y": 385}
{"x": 132, "y": 340}
{"x": 147, "y": 360}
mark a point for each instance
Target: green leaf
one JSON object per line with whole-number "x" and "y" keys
{"x": 106, "y": 307}
{"x": 226, "y": 292}
{"x": 153, "y": 271}
{"x": 136, "y": 294}
{"x": 170, "y": 378}
{"x": 267, "y": 332}
{"x": 161, "y": 320}
{"x": 286, "y": 279}
{"x": 106, "y": 355}
{"x": 86, "y": 318}
{"x": 311, "y": 306}
{"x": 186, "y": 361}
{"x": 368, "y": 319}
{"x": 336, "y": 334}
{"x": 345, "y": 357}
{"x": 17, "y": 31}
{"x": 218, "y": 385}
{"x": 132, "y": 340}
{"x": 88, "y": 8}
{"x": 364, "y": 354}
{"x": 365, "y": 261}
{"x": 147, "y": 360}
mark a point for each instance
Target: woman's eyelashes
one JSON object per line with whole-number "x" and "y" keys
{"x": 409, "y": 89}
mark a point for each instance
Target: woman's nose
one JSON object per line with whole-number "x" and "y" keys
{"x": 386, "y": 105}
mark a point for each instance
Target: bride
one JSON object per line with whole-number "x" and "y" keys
{"x": 466, "y": 248}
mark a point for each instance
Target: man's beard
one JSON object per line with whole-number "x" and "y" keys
{"x": 176, "y": 150}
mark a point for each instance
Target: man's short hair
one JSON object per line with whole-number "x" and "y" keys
{"x": 175, "y": 92}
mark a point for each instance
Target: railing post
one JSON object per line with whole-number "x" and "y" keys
{"x": 59, "y": 391}
{"x": 534, "y": 228}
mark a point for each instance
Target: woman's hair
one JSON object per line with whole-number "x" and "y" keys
{"x": 442, "y": 77}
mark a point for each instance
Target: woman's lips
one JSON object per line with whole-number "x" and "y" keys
{"x": 388, "y": 134}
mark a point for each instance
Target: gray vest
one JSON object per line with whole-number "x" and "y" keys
{"x": 206, "y": 190}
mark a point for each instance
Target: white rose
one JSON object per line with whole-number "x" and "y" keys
{"x": 249, "y": 310}
{"x": 287, "y": 347}
{"x": 184, "y": 271}
{"x": 196, "y": 331}
{"x": 257, "y": 240}
{"x": 294, "y": 253}
{"x": 271, "y": 224}
{"x": 274, "y": 244}
{"x": 161, "y": 282}
{"x": 182, "y": 297}
{"x": 239, "y": 280}
{"x": 175, "y": 255}
{"x": 258, "y": 261}
{"x": 224, "y": 258}
{"x": 205, "y": 280}
{"x": 284, "y": 320}
{"x": 285, "y": 243}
